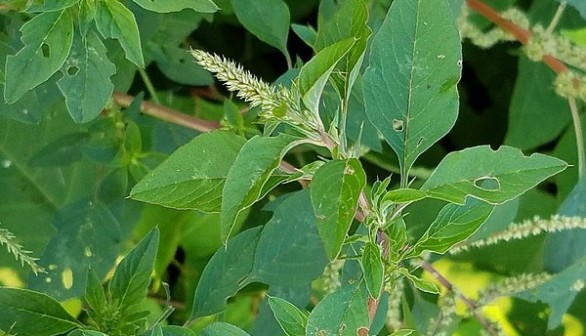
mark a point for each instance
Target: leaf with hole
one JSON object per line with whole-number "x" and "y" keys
{"x": 47, "y": 41}
{"x": 86, "y": 83}
{"x": 410, "y": 83}
{"x": 494, "y": 176}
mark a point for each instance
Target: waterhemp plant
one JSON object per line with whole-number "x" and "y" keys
{"x": 326, "y": 244}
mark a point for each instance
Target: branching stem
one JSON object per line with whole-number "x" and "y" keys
{"x": 579, "y": 137}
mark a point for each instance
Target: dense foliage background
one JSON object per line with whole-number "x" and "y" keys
{"x": 104, "y": 91}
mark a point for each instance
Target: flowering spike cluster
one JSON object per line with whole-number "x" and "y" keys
{"x": 445, "y": 318}
{"x": 277, "y": 103}
{"x": 512, "y": 285}
{"x": 331, "y": 276}
{"x": 8, "y": 239}
{"x": 530, "y": 227}
{"x": 493, "y": 36}
{"x": 395, "y": 290}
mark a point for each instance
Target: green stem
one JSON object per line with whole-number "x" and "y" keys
{"x": 556, "y": 18}
{"x": 288, "y": 59}
{"x": 579, "y": 137}
{"x": 149, "y": 85}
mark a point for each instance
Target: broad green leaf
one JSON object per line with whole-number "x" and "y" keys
{"x": 87, "y": 15}
{"x": 306, "y": 33}
{"x": 251, "y": 170}
{"x": 175, "y": 330}
{"x": 410, "y": 85}
{"x": 268, "y": 20}
{"x": 60, "y": 152}
{"x": 95, "y": 295}
{"x": 162, "y": 6}
{"x": 175, "y": 64}
{"x": 315, "y": 74}
{"x": 290, "y": 318}
{"x": 25, "y": 312}
{"x": 193, "y": 176}
{"x": 558, "y": 292}
{"x": 453, "y": 224}
{"x": 88, "y": 234}
{"x": 54, "y": 5}
{"x": 279, "y": 260}
{"x": 47, "y": 40}
{"x": 531, "y": 121}
{"x": 132, "y": 277}
{"x": 223, "y": 329}
{"x": 86, "y": 83}
{"x": 222, "y": 276}
{"x": 335, "y": 190}
{"x": 373, "y": 269}
{"x": 341, "y": 313}
{"x": 116, "y": 21}
{"x": 404, "y": 195}
{"x": 489, "y": 175}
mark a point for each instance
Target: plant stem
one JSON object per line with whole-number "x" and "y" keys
{"x": 149, "y": 85}
{"x": 467, "y": 301}
{"x": 579, "y": 137}
{"x": 556, "y": 18}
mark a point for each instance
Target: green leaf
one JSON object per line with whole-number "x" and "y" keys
{"x": 132, "y": 277}
{"x": 174, "y": 330}
{"x": 222, "y": 275}
{"x": 47, "y": 40}
{"x": 404, "y": 195}
{"x": 290, "y": 318}
{"x": 60, "y": 152}
{"x": 373, "y": 269}
{"x": 335, "y": 190}
{"x": 579, "y": 5}
{"x": 453, "y": 224}
{"x": 279, "y": 260}
{"x": 268, "y": 20}
{"x": 558, "y": 292}
{"x": 83, "y": 332}
{"x": 251, "y": 170}
{"x": 194, "y": 175}
{"x": 315, "y": 73}
{"x": 531, "y": 122}
{"x": 341, "y": 313}
{"x": 489, "y": 175}
{"x": 162, "y": 6}
{"x": 403, "y": 332}
{"x": 55, "y": 5}
{"x": 175, "y": 64}
{"x": 86, "y": 83}
{"x": 116, "y": 21}
{"x": 25, "y": 312}
{"x": 419, "y": 283}
{"x": 95, "y": 295}
{"x": 410, "y": 85}
{"x": 223, "y": 329}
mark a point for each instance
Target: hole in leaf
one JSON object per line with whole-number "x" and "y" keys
{"x": 46, "y": 50}
{"x": 398, "y": 125}
{"x": 419, "y": 142}
{"x": 72, "y": 70}
{"x": 488, "y": 183}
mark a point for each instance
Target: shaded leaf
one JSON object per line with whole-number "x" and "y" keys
{"x": 410, "y": 85}
{"x": 47, "y": 40}
{"x": 373, "y": 269}
{"x": 489, "y": 175}
{"x": 25, "y": 312}
{"x": 223, "y": 329}
{"x": 335, "y": 190}
{"x": 194, "y": 175}
{"x": 268, "y": 20}
{"x": 95, "y": 295}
